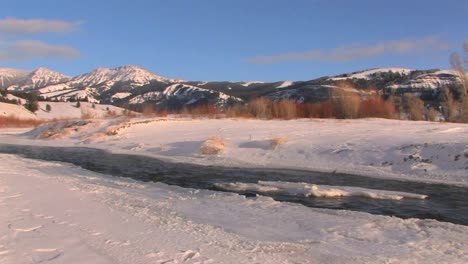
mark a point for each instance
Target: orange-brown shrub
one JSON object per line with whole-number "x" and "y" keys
{"x": 376, "y": 107}
{"x": 148, "y": 110}
{"x": 345, "y": 103}
{"x": 12, "y": 121}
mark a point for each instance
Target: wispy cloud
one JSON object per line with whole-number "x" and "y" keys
{"x": 351, "y": 52}
{"x": 31, "y": 49}
{"x": 30, "y": 26}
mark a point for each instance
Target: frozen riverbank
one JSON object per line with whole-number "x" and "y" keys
{"x": 423, "y": 151}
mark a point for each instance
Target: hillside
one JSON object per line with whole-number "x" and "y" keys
{"x": 60, "y": 110}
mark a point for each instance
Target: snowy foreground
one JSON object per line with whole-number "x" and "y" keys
{"x": 426, "y": 151}
{"x": 58, "y": 213}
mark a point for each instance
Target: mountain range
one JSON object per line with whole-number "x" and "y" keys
{"x": 135, "y": 86}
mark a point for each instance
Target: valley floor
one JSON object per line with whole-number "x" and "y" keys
{"x": 59, "y": 213}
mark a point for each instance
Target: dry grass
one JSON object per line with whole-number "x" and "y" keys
{"x": 277, "y": 141}
{"x": 59, "y": 130}
{"x": 93, "y": 138}
{"x": 111, "y": 114}
{"x": 212, "y": 146}
{"x": 112, "y": 130}
{"x": 12, "y": 121}
{"x": 65, "y": 132}
{"x": 87, "y": 113}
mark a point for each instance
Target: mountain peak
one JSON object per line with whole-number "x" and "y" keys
{"x": 45, "y": 72}
{"x": 39, "y": 78}
{"x": 130, "y": 67}
{"x": 127, "y": 73}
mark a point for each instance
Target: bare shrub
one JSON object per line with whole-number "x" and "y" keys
{"x": 413, "y": 106}
{"x": 376, "y": 107}
{"x": 148, "y": 110}
{"x": 111, "y": 113}
{"x": 346, "y": 104}
{"x": 212, "y": 146}
{"x": 204, "y": 111}
{"x": 260, "y": 108}
{"x": 285, "y": 109}
{"x": 431, "y": 114}
{"x": 128, "y": 113}
{"x": 86, "y": 113}
{"x": 464, "y": 110}
{"x": 112, "y": 131}
{"x": 13, "y": 121}
{"x": 449, "y": 107}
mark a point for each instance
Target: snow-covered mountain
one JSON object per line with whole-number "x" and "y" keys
{"x": 132, "y": 85}
{"x": 130, "y": 73}
{"x": 185, "y": 95}
{"x": 11, "y": 76}
{"x": 96, "y": 84}
{"x": 39, "y": 78}
{"x": 372, "y": 73}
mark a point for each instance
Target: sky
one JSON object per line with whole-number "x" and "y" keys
{"x": 268, "y": 40}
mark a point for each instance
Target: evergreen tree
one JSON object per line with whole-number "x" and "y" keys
{"x": 32, "y": 104}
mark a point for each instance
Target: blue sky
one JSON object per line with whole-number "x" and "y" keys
{"x": 232, "y": 40}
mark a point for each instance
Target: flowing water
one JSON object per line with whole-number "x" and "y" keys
{"x": 447, "y": 203}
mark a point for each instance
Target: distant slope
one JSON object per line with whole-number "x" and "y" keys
{"x": 16, "y": 111}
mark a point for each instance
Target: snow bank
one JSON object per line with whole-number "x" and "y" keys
{"x": 422, "y": 151}
{"x": 313, "y": 190}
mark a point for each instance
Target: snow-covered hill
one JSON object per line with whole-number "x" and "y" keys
{"x": 185, "y": 95}
{"x": 130, "y": 73}
{"x": 60, "y": 110}
{"x": 431, "y": 80}
{"x": 15, "y": 110}
{"x": 371, "y": 73}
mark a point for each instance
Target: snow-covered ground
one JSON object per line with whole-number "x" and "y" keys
{"x": 15, "y": 110}
{"x": 57, "y": 213}
{"x": 59, "y": 110}
{"x": 426, "y": 151}
{"x": 64, "y": 110}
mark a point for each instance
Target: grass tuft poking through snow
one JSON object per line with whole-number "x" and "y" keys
{"x": 277, "y": 141}
{"x": 212, "y": 146}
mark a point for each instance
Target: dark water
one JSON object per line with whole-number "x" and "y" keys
{"x": 445, "y": 202}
